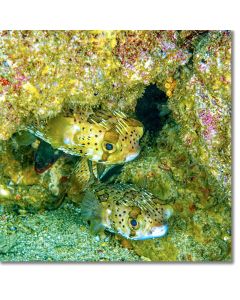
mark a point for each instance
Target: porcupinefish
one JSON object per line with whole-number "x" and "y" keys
{"x": 126, "y": 210}
{"x": 104, "y": 137}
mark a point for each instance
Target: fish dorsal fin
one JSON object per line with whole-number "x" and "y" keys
{"x": 101, "y": 118}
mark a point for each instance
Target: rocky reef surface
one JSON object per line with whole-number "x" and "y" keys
{"x": 177, "y": 83}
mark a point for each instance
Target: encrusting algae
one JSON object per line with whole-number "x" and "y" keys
{"x": 70, "y": 97}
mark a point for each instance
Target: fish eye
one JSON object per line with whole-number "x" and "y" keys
{"x": 133, "y": 222}
{"x": 109, "y": 146}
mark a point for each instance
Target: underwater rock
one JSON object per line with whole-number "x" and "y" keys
{"x": 201, "y": 104}
{"x": 79, "y": 69}
{"x": 22, "y": 188}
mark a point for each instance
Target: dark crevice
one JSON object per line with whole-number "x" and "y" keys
{"x": 152, "y": 109}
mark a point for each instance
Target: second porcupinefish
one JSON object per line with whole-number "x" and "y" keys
{"x": 104, "y": 137}
{"x": 126, "y": 210}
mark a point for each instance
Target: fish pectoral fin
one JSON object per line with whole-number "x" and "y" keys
{"x": 92, "y": 168}
{"x": 90, "y": 207}
{"x": 107, "y": 172}
{"x": 102, "y": 170}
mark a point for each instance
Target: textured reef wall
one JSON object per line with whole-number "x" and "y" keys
{"x": 43, "y": 72}
{"x": 186, "y": 161}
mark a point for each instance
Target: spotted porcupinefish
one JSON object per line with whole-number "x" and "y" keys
{"x": 126, "y": 210}
{"x": 104, "y": 137}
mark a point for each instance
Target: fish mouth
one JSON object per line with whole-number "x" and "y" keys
{"x": 132, "y": 156}
{"x": 156, "y": 232}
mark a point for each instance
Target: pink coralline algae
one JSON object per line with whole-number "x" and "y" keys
{"x": 209, "y": 121}
{"x": 20, "y": 79}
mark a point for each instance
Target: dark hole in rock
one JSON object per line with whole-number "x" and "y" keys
{"x": 152, "y": 109}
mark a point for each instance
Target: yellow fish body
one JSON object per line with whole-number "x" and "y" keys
{"x": 104, "y": 137}
{"x": 126, "y": 210}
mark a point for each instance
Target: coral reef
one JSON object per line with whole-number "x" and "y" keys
{"x": 43, "y": 72}
{"x": 178, "y": 83}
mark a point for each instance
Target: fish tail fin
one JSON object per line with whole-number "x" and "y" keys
{"x": 91, "y": 211}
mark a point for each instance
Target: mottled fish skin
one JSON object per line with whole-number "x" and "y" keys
{"x": 126, "y": 210}
{"x": 104, "y": 137}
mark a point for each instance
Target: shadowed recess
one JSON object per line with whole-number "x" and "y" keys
{"x": 152, "y": 109}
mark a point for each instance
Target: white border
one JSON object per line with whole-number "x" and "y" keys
{"x": 144, "y": 281}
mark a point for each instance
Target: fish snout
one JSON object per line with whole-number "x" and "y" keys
{"x": 132, "y": 156}
{"x": 159, "y": 231}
